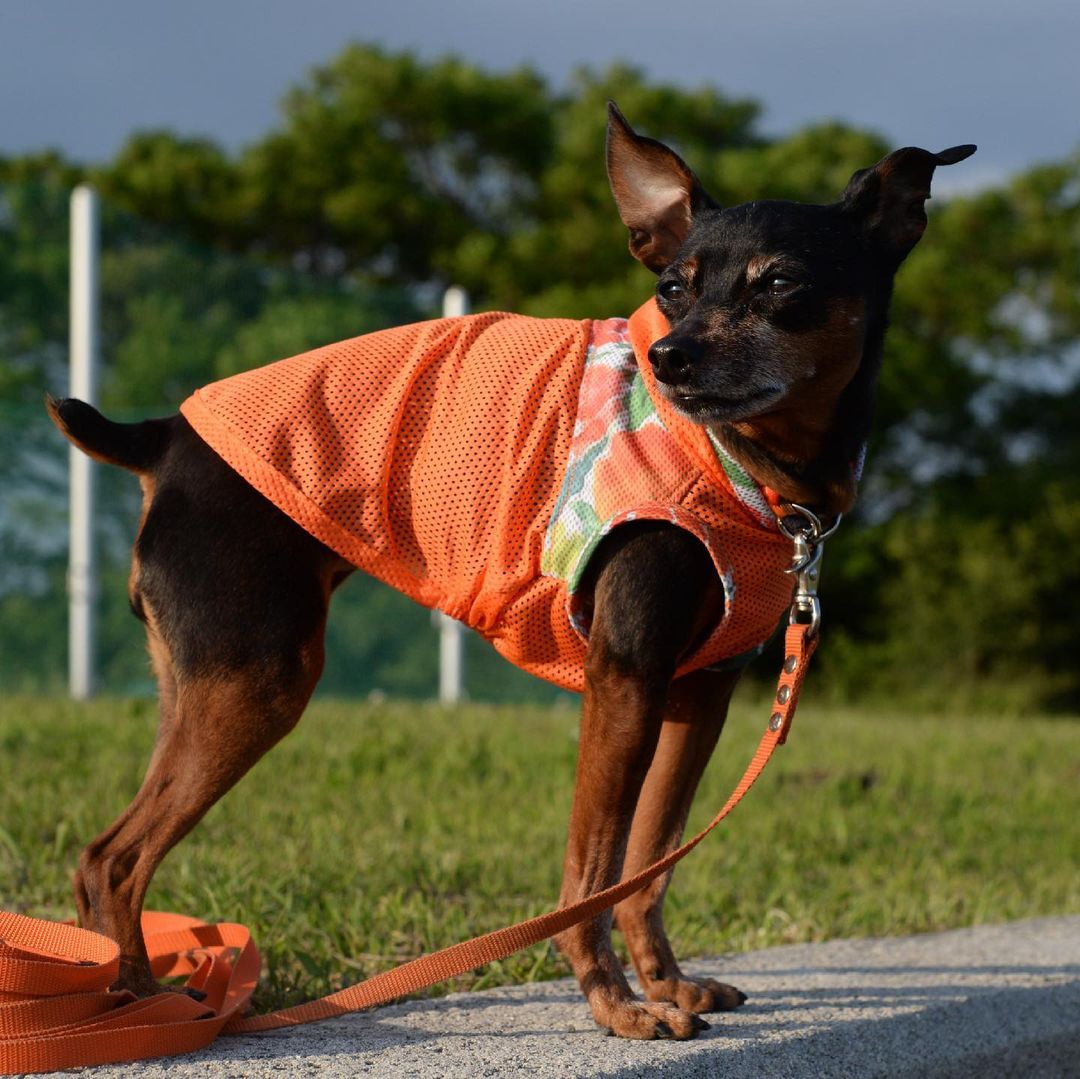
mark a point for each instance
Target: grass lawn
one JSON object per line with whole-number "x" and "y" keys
{"x": 376, "y": 832}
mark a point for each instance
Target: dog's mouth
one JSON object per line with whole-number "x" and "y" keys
{"x": 711, "y": 407}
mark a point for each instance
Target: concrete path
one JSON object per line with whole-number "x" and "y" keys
{"x": 992, "y": 1001}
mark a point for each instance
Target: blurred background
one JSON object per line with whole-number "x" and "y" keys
{"x": 276, "y": 176}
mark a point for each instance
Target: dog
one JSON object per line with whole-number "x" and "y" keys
{"x": 744, "y": 387}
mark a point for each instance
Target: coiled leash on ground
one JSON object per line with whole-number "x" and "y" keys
{"x": 56, "y": 1010}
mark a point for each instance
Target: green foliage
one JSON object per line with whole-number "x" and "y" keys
{"x": 990, "y": 294}
{"x": 294, "y": 321}
{"x": 973, "y": 613}
{"x": 383, "y": 162}
{"x": 187, "y": 184}
{"x": 389, "y": 176}
{"x": 375, "y": 833}
{"x": 34, "y": 196}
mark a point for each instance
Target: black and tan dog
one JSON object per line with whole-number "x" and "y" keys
{"x": 766, "y": 336}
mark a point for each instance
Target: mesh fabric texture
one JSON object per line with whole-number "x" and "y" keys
{"x": 437, "y": 458}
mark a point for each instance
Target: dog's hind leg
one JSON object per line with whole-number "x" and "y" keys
{"x": 696, "y": 709}
{"x": 223, "y": 723}
{"x": 163, "y": 671}
{"x": 234, "y": 596}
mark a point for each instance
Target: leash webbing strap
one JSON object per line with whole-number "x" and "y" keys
{"x": 56, "y": 1011}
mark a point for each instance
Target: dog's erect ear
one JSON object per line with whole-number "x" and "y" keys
{"x": 654, "y": 189}
{"x": 889, "y": 196}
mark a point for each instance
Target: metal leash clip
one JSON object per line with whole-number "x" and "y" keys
{"x": 805, "y": 530}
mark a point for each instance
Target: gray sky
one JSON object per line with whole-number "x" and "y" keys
{"x": 81, "y": 75}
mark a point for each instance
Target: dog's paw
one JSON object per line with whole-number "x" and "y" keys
{"x": 138, "y": 981}
{"x": 645, "y": 1021}
{"x": 696, "y": 994}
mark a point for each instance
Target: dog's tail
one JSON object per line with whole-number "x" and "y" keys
{"x": 134, "y": 446}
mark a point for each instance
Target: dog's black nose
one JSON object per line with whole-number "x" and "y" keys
{"x": 671, "y": 361}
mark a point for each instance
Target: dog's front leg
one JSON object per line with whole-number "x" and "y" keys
{"x": 619, "y": 727}
{"x": 653, "y": 594}
{"x": 696, "y": 709}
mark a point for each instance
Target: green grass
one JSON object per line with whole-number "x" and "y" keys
{"x": 376, "y": 832}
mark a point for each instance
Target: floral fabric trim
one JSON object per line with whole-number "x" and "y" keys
{"x": 746, "y": 490}
{"x": 613, "y": 403}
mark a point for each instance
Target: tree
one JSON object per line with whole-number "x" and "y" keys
{"x": 389, "y": 176}
{"x": 383, "y": 162}
{"x": 979, "y": 383}
{"x": 34, "y": 195}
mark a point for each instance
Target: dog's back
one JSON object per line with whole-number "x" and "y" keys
{"x": 428, "y": 455}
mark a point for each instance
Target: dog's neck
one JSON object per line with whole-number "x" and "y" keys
{"x": 805, "y": 469}
{"x": 811, "y": 455}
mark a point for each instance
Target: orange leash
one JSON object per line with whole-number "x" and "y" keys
{"x": 56, "y": 1010}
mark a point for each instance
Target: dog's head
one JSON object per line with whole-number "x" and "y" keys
{"x": 771, "y": 305}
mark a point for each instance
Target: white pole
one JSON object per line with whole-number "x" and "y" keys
{"x": 82, "y": 565}
{"x": 451, "y": 632}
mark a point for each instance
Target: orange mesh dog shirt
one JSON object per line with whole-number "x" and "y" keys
{"x": 476, "y": 463}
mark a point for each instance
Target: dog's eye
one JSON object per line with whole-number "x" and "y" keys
{"x": 779, "y": 284}
{"x": 670, "y": 290}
